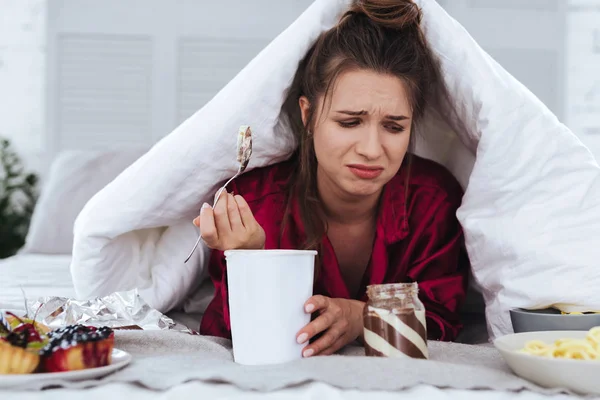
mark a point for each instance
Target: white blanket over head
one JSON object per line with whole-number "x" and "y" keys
{"x": 531, "y": 211}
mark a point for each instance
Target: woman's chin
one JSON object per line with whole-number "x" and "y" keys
{"x": 363, "y": 189}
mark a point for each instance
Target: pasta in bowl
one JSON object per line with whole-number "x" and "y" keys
{"x": 567, "y": 348}
{"x": 555, "y": 359}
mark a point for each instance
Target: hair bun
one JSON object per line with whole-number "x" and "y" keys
{"x": 394, "y": 14}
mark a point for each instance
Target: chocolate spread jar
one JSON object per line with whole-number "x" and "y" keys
{"x": 394, "y": 321}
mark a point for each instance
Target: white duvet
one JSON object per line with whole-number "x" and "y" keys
{"x": 531, "y": 211}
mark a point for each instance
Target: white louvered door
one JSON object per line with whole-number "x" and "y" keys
{"x": 205, "y": 65}
{"x": 104, "y": 91}
{"x": 126, "y": 72}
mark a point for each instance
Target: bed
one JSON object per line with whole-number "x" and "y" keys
{"x": 41, "y": 275}
{"x": 42, "y": 269}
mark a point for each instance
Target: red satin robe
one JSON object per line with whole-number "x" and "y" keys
{"x": 425, "y": 244}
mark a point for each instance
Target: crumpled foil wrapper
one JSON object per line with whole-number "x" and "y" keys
{"x": 120, "y": 310}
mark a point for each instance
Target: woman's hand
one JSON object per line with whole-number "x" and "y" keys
{"x": 340, "y": 320}
{"x": 231, "y": 225}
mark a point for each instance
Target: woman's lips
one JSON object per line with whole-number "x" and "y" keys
{"x": 365, "y": 171}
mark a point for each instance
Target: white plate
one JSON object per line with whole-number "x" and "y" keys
{"x": 120, "y": 359}
{"x": 581, "y": 376}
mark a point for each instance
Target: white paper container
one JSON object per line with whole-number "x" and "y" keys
{"x": 267, "y": 290}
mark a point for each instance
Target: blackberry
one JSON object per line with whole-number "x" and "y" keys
{"x": 17, "y": 339}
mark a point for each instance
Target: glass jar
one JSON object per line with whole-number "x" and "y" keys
{"x": 394, "y": 321}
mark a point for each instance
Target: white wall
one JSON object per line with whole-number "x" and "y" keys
{"x": 22, "y": 64}
{"x": 525, "y": 36}
{"x": 583, "y": 72}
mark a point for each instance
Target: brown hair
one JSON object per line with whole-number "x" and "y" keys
{"x": 378, "y": 35}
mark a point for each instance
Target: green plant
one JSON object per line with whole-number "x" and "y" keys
{"x": 18, "y": 195}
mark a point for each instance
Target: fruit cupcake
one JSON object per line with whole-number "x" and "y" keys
{"x": 20, "y": 344}
{"x": 77, "y": 347}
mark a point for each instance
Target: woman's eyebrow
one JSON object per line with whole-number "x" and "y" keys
{"x": 363, "y": 112}
{"x": 355, "y": 113}
{"x": 397, "y": 117}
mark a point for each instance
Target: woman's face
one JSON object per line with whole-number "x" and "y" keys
{"x": 361, "y": 139}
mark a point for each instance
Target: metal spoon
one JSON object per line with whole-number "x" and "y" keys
{"x": 244, "y": 151}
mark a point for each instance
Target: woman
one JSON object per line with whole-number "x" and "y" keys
{"x": 375, "y": 213}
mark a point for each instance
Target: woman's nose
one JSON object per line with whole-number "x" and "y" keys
{"x": 369, "y": 144}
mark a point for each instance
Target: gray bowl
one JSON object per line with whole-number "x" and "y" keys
{"x": 551, "y": 320}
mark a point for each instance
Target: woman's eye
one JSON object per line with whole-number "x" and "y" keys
{"x": 395, "y": 128}
{"x": 349, "y": 124}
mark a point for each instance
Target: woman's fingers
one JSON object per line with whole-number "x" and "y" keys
{"x": 245, "y": 212}
{"x": 316, "y": 303}
{"x": 318, "y": 325}
{"x": 333, "y": 334}
{"x": 322, "y": 323}
{"x": 331, "y": 349}
{"x": 208, "y": 229}
{"x": 222, "y": 215}
{"x": 231, "y": 225}
{"x": 338, "y": 322}
{"x": 235, "y": 220}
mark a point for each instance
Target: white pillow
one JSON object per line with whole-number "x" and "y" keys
{"x": 531, "y": 210}
{"x": 75, "y": 176}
